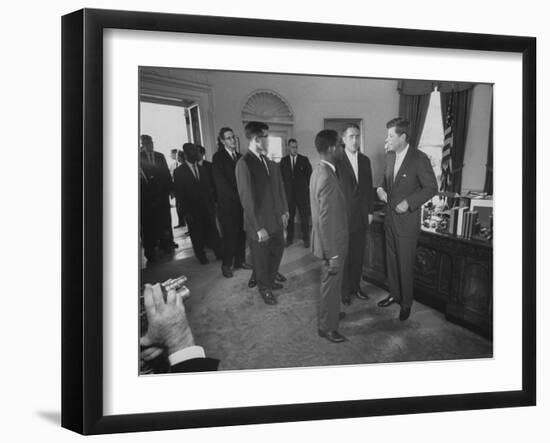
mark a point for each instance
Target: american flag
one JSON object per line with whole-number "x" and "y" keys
{"x": 446, "y": 160}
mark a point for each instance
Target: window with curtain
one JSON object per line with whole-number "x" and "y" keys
{"x": 432, "y": 136}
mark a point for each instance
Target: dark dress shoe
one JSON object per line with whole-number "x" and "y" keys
{"x": 333, "y": 336}
{"x": 404, "y": 313}
{"x": 346, "y": 300}
{"x": 243, "y": 266}
{"x": 388, "y": 301}
{"x": 204, "y": 260}
{"x": 269, "y": 298}
{"x": 276, "y": 286}
{"x": 227, "y": 272}
{"x": 252, "y": 282}
{"x": 307, "y": 245}
{"x": 361, "y": 295}
{"x": 341, "y": 315}
{"x": 280, "y": 277}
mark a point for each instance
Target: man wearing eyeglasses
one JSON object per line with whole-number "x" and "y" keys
{"x": 230, "y": 210}
{"x": 265, "y": 209}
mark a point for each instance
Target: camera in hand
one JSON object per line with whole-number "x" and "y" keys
{"x": 177, "y": 284}
{"x": 159, "y": 364}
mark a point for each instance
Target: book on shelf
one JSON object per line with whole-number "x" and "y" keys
{"x": 460, "y": 221}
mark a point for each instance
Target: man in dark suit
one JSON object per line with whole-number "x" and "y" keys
{"x": 156, "y": 221}
{"x": 296, "y": 171}
{"x": 356, "y": 178}
{"x": 330, "y": 233}
{"x": 207, "y": 167}
{"x": 193, "y": 188}
{"x": 230, "y": 210}
{"x": 169, "y": 334}
{"x": 179, "y": 205}
{"x": 409, "y": 181}
{"x": 265, "y": 209}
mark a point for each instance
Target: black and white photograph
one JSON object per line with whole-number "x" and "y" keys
{"x": 306, "y": 231}
{"x": 292, "y": 221}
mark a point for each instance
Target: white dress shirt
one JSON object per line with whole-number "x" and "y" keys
{"x": 399, "y": 157}
{"x": 292, "y": 162}
{"x": 231, "y": 153}
{"x": 354, "y": 163}
{"x": 186, "y": 354}
{"x": 329, "y": 164}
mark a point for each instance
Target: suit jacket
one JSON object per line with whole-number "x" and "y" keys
{"x": 262, "y": 195}
{"x": 225, "y": 181}
{"x": 359, "y": 195}
{"x": 196, "y": 365}
{"x": 195, "y": 195}
{"x": 415, "y": 182}
{"x": 296, "y": 182}
{"x": 208, "y": 172}
{"x": 157, "y": 172}
{"x": 328, "y": 214}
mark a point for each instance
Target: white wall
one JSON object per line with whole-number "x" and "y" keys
{"x": 312, "y": 99}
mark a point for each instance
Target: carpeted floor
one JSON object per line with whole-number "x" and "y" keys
{"x": 233, "y": 324}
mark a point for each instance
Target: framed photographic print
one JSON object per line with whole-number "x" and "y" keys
{"x": 194, "y": 292}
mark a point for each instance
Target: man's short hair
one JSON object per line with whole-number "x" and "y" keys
{"x": 255, "y": 129}
{"x": 146, "y": 138}
{"x": 350, "y": 125}
{"x": 325, "y": 139}
{"x": 201, "y": 149}
{"x": 173, "y": 151}
{"x": 221, "y": 134}
{"x": 292, "y": 140}
{"x": 223, "y": 131}
{"x": 401, "y": 125}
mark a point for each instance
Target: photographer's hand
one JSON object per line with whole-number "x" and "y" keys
{"x": 168, "y": 326}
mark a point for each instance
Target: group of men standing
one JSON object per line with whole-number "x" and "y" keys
{"x": 342, "y": 208}
{"x": 257, "y": 201}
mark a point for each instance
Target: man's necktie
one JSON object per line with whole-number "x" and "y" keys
{"x": 293, "y": 163}
{"x": 151, "y": 157}
{"x": 265, "y": 163}
{"x": 196, "y": 171}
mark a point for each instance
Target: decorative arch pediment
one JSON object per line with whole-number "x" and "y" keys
{"x": 267, "y": 106}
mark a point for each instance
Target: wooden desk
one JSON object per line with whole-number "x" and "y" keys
{"x": 452, "y": 275}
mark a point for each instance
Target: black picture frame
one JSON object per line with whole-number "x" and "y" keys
{"x": 82, "y": 218}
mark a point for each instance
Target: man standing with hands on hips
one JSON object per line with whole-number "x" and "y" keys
{"x": 265, "y": 210}
{"x": 409, "y": 181}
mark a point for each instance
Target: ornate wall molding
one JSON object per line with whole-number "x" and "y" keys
{"x": 267, "y": 106}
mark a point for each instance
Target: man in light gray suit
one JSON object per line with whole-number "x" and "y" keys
{"x": 330, "y": 232}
